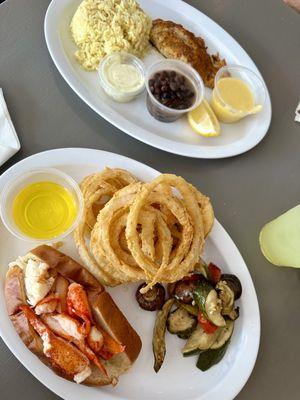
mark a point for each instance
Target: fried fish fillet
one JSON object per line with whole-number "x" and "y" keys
{"x": 174, "y": 41}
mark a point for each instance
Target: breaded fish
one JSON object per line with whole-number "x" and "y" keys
{"x": 174, "y": 41}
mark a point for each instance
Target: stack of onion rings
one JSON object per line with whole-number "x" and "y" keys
{"x": 134, "y": 231}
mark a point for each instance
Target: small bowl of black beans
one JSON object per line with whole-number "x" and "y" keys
{"x": 173, "y": 89}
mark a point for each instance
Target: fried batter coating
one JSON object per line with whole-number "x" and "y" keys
{"x": 174, "y": 41}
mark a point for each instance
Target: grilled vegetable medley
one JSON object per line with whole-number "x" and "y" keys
{"x": 201, "y": 310}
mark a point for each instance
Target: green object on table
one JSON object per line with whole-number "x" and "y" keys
{"x": 280, "y": 239}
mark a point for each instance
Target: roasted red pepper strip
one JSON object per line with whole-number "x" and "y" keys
{"x": 214, "y": 273}
{"x": 207, "y": 326}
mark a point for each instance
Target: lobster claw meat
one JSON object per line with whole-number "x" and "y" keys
{"x": 98, "y": 339}
{"x": 78, "y": 305}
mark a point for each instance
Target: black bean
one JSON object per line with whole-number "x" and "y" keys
{"x": 173, "y": 86}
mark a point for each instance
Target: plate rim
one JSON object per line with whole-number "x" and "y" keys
{"x": 44, "y": 371}
{"x": 128, "y": 127}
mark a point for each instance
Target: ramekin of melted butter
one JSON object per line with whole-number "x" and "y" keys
{"x": 238, "y": 92}
{"x": 44, "y": 210}
{"x": 41, "y": 205}
{"x": 122, "y": 76}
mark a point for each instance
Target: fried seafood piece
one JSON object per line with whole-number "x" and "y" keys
{"x": 174, "y": 41}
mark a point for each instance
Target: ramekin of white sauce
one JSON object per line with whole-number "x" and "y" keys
{"x": 122, "y": 76}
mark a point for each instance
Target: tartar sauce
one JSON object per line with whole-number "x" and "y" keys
{"x": 122, "y": 76}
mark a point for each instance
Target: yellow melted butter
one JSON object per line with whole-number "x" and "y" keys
{"x": 44, "y": 210}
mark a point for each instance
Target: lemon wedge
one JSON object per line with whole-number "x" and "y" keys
{"x": 203, "y": 120}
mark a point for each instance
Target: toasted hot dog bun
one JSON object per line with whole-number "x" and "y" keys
{"x": 67, "y": 267}
{"x": 27, "y": 333}
{"x": 14, "y": 290}
{"x": 105, "y": 312}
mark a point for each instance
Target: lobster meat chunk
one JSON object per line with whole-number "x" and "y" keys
{"x": 78, "y": 305}
{"x": 95, "y": 339}
{"x": 64, "y": 326}
{"x": 47, "y": 305}
{"x": 98, "y": 339}
{"x": 62, "y": 355}
{"x": 61, "y": 291}
{"x": 110, "y": 346}
{"x": 71, "y": 330}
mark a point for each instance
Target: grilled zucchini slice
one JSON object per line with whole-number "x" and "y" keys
{"x": 217, "y": 350}
{"x": 211, "y": 357}
{"x": 199, "y": 340}
{"x": 224, "y": 336}
{"x": 207, "y": 300}
{"x": 181, "y": 323}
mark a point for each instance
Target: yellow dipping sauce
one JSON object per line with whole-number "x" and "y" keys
{"x": 232, "y": 99}
{"x": 44, "y": 210}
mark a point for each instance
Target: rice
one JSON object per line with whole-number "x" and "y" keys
{"x": 101, "y": 27}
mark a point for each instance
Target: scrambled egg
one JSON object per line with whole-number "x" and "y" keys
{"x": 101, "y": 27}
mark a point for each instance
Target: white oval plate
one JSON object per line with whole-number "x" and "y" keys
{"x": 178, "y": 379}
{"x": 133, "y": 118}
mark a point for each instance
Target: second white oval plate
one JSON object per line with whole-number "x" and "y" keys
{"x": 178, "y": 379}
{"x": 133, "y": 118}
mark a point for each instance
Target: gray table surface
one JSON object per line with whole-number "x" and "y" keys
{"x": 246, "y": 191}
